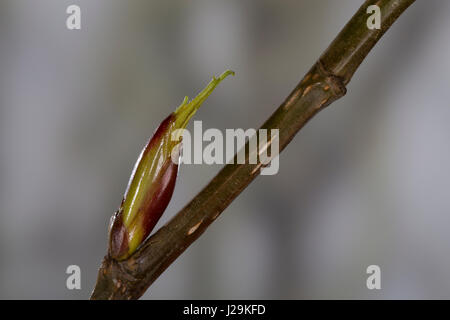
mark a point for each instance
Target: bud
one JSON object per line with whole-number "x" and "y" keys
{"x": 153, "y": 178}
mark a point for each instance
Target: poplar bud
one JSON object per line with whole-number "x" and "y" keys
{"x": 152, "y": 181}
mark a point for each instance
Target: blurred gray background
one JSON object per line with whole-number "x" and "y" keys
{"x": 366, "y": 182}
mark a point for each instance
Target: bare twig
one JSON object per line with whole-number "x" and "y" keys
{"x": 322, "y": 85}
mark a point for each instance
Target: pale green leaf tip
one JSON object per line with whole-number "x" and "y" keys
{"x": 226, "y": 74}
{"x": 188, "y": 108}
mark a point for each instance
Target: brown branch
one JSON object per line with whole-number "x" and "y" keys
{"x": 322, "y": 85}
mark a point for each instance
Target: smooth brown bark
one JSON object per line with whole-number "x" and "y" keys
{"x": 322, "y": 85}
